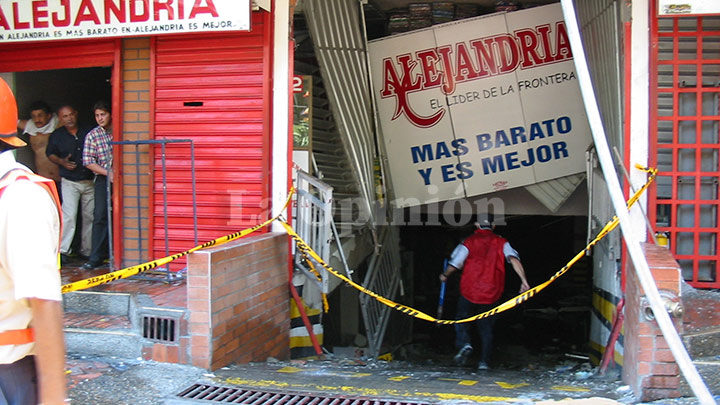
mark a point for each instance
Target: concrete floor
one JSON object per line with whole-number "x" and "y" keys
{"x": 424, "y": 376}
{"x": 121, "y": 381}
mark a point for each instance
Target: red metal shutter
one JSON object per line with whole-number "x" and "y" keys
{"x": 21, "y": 57}
{"x": 215, "y": 90}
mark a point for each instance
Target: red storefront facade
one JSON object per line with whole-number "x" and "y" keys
{"x": 209, "y": 89}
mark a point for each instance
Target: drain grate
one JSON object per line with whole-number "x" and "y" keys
{"x": 228, "y": 395}
{"x": 159, "y": 329}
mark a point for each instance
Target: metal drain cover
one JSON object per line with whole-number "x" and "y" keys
{"x": 234, "y": 395}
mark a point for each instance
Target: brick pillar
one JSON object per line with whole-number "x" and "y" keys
{"x": 239, "y": 302}
{"x": 649, "y": 366}
{"x": 136, "y": 127}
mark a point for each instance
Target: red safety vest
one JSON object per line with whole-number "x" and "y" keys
{"x": 483, "y": 277}
{"x": 24, "y": 336}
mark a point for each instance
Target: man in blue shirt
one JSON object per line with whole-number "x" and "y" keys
{"x": 65, "y": 148}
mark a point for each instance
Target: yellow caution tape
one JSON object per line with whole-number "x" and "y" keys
{"x": 313, "y": 270}
{"x": 140, "y": 268}
{"x": 305, "y": 250}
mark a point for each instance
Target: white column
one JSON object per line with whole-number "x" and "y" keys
{"x": 639, "y": 107}
{"x": 280, "y": 108}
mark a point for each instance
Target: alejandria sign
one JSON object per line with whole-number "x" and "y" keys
{"x": 39, "y": 20}
{"x": 479, "y": 105}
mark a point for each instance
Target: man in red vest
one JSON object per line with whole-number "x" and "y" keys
{"x": 482, "y": 257}
{"x": 32, "y": 349}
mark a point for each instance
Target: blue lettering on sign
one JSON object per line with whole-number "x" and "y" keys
{"x": 442, "y": 151}
{"x": 459, "y": 146}
{"x": 501, "y": 139}
{"x": 424, "y": 153}
{"x": 425, "y": 174}
{"x": 564, "y": 125}
{"x": 518, "y": 135}
{"x": 447, "y": 173}
{"x": 465, "y": 171}
{"x": 460, "y": 171}
{"x": 536, "y": 131}
{"x": 500, "y": 162}
{"x": 512, "y": 160}
{"x": 509, "y": 161}
{"x": 421, "y": 155}
{"x": 494, "y": 164}
{"x": 483, "y": 141}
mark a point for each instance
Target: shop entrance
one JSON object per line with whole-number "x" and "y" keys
{"x": 80, "y": 88}
{"x": 555, "y": 322}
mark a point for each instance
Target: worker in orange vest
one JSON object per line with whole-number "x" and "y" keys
{"x": 32, "y": 348}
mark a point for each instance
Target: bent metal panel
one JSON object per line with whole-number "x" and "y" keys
{"x": 479, "y": 105}
{"x": 23, "y": 20}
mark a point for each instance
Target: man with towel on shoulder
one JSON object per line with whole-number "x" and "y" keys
{"x": 41, "y": 124}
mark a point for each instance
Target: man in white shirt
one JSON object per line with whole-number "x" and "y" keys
{"x": 32, "y": 348}
{"x": 41, "y": 124}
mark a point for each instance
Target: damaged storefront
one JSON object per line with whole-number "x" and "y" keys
{"x": 486, "y": 114}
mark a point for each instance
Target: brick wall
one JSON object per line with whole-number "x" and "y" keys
{"x": 238, "y": 302}
{"x": 649, "y": 366}
{"x": 135, "y": 167}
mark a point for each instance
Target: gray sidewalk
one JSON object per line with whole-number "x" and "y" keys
{"x": 115, "y": 381}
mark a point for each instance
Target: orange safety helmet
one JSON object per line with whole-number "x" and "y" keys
{"x": 8, "y": 117}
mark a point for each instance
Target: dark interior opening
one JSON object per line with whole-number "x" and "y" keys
{"x": 556, "y": 320}
{"x": 80, "y": 88}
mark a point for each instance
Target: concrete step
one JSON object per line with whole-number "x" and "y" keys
{"x": 703, "y": 344}
{"x": 102, "y": 303}
{"x": 116, "y": 324}
{"x": 101, "y": 335}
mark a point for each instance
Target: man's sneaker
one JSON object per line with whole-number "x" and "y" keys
{"x": 64, "y": 259}
{"x": 462, "y": 356}
{"x": 89, "y": 266}
{"x": 482, "y": 366}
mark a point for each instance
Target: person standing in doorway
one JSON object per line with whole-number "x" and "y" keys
{"x": 481, "y": 257}
{"x": 32, "y": 347}
{"x": 41, "y": 124}
{"x": 97, "y": 156}
{"x": 65, "y": 148}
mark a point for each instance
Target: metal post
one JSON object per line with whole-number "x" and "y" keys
{"x": 108, "y": 196}
{"x": 138, "y": 199}
{"x": 165, "y": 209}
{"x": 194, "y": 193}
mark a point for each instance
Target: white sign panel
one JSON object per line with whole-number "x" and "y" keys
{"x": 685, "y": 7}
{"x": 39, "y": 20}
{"x": 479, "y": 105}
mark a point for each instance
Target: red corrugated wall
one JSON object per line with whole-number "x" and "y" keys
{"x": 216, "y": 90}
{"x": 20, "y": 57}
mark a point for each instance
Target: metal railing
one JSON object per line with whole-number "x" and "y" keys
{"x": 315, "y": 225}
{"x": 142, "y": 250}
{"x": 312, "y": 222}
{"x": 384, "y": 278}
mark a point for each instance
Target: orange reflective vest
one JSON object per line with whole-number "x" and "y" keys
{"x": 24, "y": 336}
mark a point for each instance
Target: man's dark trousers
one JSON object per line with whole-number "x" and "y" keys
{"x": 100, "y": 223}
{"x": 18, "y": 382}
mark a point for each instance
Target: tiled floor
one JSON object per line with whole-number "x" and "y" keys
{"x": 83, "y": 320}
{"x": 162, "y": 291}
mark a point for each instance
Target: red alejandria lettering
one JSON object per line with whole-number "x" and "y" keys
{"x": 59, "y": 13}
{"x": 446, "y": 66}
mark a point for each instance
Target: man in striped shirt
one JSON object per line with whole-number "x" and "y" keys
{"x": 97, "y": 156}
